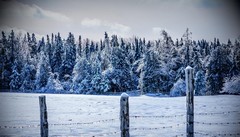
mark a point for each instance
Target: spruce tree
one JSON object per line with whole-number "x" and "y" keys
{"x": 43, "y": 70}
{"x": 57, "y": 55}
{"x": 69, "y": 58}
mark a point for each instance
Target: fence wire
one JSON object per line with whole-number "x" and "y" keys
{"x": 217, "y": 134}
{"x": 147, "y": 129}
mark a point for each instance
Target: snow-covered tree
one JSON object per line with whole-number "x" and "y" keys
{"x": 105, "y": 53}
{"x": 53, "y": 84}
{"x": 137, "y": 50}
{"x": 49, "y": 51}
{"x": 99, "y": 84}
{"x": 199, "y": 83}
{"x": 5, "y": 64}
{"x": 79, "y": 47}
{"x": 153, "y": 77}
{"x": 115, "y": 65}
{"x": 187, "y": 48}
{"x": 81, "y": 76}
{"x": 231, "y": 86}
{"x": 178, "y": 89}
{"x": 43, "y": 69}
{"x": 16, "y": 80}
{"x": 41, "y": 45}
{"x": 33, "y": 45}
{"x": 119, "y": 72}
{"x": 217, "y": 65}
{"x": 87, "y": 50}
{"x": 28, "y": 77}
{"x": 70, "y": 57}
{"x": 57, "y": 55}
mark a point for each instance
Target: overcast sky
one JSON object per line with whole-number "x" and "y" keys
{"x": 143, "y": 18}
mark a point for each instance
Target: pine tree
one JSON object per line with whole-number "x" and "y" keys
{"x": 187, "y": 37}
{"x": 200, "y": 88}
{"x": 119, "y": 72}
{"x": 53, "y": 84}
{"x": 105, "y": 53}
{"x": 49, "y": 51}
{"x": 12, "y": 42}
{"x": 82, "y": 73}
{"x": 15, "y": 77}
{"x": 41, "y": 46}
{"x": 98, "y": 83}
{"x": 8, "y": 51}
{"x": 28, "y": 74}
{"x": 218, "y": 66}
{"x": 57, "y": 55}
{"x": 43, "y": 70}
{"x": 69, "y": 60}
{"x": 235, "y": 57}
{"x": 3, "y": 62}
{"x": 33, "y": 45}
{"x": 197, "y": 62}
{"x": 137, "y": 51}
{"x": 79, "y": 47}
{"x": 178, "y": 89}
{"x": 153, "y": 77}
{"x": 87, "y": 50}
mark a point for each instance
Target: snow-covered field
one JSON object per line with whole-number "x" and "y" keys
{"x": 90, "y": 115}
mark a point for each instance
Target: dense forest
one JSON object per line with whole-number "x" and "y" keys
{"x": 113, "y": 64}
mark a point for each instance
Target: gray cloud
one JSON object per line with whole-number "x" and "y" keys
{"x": 205, "y": 18}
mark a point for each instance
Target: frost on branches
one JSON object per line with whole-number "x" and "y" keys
{"x": 114, "y": 64}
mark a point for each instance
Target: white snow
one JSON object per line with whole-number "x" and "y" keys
{"x": 125, "y": 95}
{"x": 90, "y": 115}
{"x": 188, "y": 67}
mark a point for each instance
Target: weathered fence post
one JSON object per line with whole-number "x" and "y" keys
{"x": 124, "y": 115}
{"x": 43, "y": 116}
{"x": 190, "y": 101}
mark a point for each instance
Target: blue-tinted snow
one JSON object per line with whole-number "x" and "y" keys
{"x": 91, "y": 115}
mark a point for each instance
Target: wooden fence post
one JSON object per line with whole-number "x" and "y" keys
{"x": 43, "y": 116}
{"x": 124, "y": 115}
{"x": 190, "y": 101}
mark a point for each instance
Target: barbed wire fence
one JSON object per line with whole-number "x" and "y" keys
{"x": 138, "y": 117}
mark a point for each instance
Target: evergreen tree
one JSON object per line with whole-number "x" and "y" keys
{"x": 178, "y": 89}
{"x": 4, "y": 61}
{"x": 79, "y": 48}
{"x": 43, "y": 70}
{"x": 57, "y": 55}
{"x": 53, "y": 84}
{"x": 69, "y": 60}
{"x": 15, "y": 77}
{"x": 41, "y": 46}
{"x": 197, "y": 63}
{"x": 218, "y": 66}
{"x": 99, "y": 84}
{"x": 87, "y": 50}
{"x": 82, "y": 73}
{"x": 119, "y": 72}
{"x": 187, "y": 37}
{"x": 12, "y": 42}
{"x": 114, "y": 41}
{"x": 235, "y": 57}
{"x": 28, "y": 77}
{"x": 49, "y": 51}
{"x": 7, "y": 52}
{"x": 199, "y": 83}
{"x": 105, "y": 53}
{"x": 153, "y": 77}
{"x": 33, "y": 45}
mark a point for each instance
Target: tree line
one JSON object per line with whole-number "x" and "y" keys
{"x": 113, "y": 64}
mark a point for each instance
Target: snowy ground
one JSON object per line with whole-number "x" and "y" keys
{"x": 89, "y": 115}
